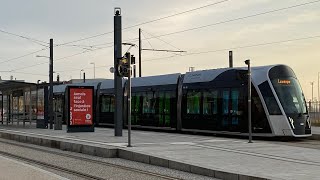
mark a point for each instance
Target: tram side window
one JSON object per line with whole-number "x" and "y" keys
{"x": 210, "y": 102}
{"x": 235, "y": 106}
{"x": 148, "y": 103}
{"x": 112, "y": 103}
{"x": 136, "y": 102}
{"x": 225, "y": 102}
{"x": 107, "y": 103}
{"x": 193, "y": 102}
{"x": 268, "y": 97}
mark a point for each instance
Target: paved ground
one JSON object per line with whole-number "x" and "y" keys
{"x": 12, "y": 169}
{"x": 316, "y": 130}
{"x": 260, "y": 159}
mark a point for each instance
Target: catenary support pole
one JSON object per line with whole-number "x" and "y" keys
{"x": 129, "y": 101}
{"x": 230, "y": 59}
{"x": 249, "y": 101}
{"x": 140, "y": 70}
{"x": 50, "y": 103}
{"x": 118, "y": 117}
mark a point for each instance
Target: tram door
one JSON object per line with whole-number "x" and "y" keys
{"x": 232, "y": 109}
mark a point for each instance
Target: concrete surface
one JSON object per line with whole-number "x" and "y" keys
{"x": 225, "y": 158}
{"x": 12, "y": 169}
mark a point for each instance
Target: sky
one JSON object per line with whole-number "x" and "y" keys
{"x": 251, "y": 28}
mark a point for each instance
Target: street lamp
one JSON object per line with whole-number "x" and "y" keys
{"x": 80, "y": 72}
{"x": 318, "y": 86}
{"x": 318, "y": 105}
{"x": 312, "y": 108}
{"x": 247, "y": 62}
{"x": 43, "y": 56}
{"x": 94, "y": 69}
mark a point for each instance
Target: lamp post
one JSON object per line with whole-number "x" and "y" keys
{"x": 80, "y": 73}
{"x": 318, "y": 105}
{"x": 312, "y": 109}
{"x": 247, "y": 62}
{"x": 94, "y": 69}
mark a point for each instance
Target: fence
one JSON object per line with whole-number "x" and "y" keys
{"x": 314, "y": 111}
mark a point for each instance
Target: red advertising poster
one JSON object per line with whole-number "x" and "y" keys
{"x": 81, "y": 112}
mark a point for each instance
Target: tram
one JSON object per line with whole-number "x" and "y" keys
{"x": 213, "y": 101}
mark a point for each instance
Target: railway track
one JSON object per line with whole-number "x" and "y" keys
{"x": 47, "y": 165}
{"x": 76, "y": 157}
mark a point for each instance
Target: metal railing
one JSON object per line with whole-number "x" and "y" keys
{"x": 314, "y": 111}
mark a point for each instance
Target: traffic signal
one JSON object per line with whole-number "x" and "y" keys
{"x": 124, "y": 66}
{"x": 133, "y": 59}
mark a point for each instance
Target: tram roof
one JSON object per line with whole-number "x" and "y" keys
{"x": 211, "y": 74}
{"x": 60, "y": 89}
{"x": 155, "y": 80}
{"x": 109, "y": 84}
{"x": 15, "y": 85}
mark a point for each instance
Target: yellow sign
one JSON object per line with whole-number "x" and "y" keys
{"x": 284, "y": 82}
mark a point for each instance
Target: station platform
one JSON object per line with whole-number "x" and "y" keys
{"x": 219, "y": 157}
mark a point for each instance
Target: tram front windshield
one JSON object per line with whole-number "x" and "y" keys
{"x": 290, "y": 95}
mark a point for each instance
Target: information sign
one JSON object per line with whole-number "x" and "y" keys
{"x": 81, "y": 108}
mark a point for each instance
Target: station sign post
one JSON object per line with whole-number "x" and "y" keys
{"x": 80, "y": 104}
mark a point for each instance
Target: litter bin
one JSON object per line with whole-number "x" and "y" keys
{"x": 58, "y": 121}
{"x": 41, "y": 123}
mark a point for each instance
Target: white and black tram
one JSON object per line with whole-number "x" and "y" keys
{"x": 213, "y": 101}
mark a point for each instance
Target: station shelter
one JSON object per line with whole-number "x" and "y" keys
{"x": 21, "y": 102}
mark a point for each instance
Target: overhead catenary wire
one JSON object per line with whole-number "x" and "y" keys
{"x": 196, "y": 53}
{"x": 73, "y": 70}
{"x": 161, "y": 40}
{"x": 25, "y": 73}
{"x": 212, "y": 51}
{"x": 146, "y": 22}
{"x": 237, "y": 47}
{"x": 59, "y": 59}
{"x": 19, "y": 57}
{"x": 147, "y": 39}
{"x": 237, "y": 19}
{"x": 221, "y": 22}
{"x": 39, "y": 42}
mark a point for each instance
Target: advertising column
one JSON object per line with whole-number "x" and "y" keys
{"x": 80, "y": 105}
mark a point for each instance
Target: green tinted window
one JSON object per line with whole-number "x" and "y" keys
{"x": 105, "y": 104}
{"x": 235, "y": 109}
{"x": 193, "y": 102}
{"x": 148, "y": 103}
{"x": 210, "y": 102}
{"x": 161, "y": 107}
{"x": 225, "y": 102}
{"x": 167, "y": 107}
